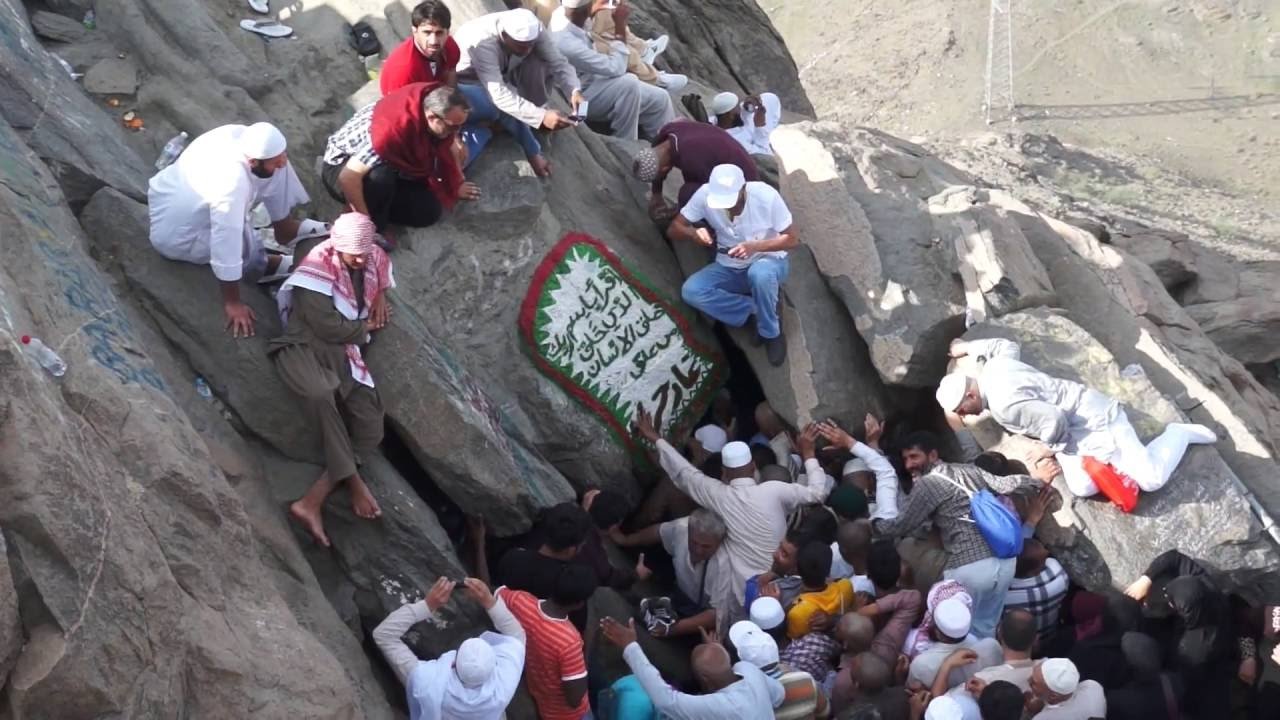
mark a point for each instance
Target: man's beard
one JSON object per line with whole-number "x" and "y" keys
{"x": 259, "y": 168}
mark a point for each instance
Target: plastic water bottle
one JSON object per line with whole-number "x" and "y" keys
{"x": 172, "y": 150}
{"x": 47, "y": 358}
{"x": 90, "y": 19}
{"x": 202, "y": 389}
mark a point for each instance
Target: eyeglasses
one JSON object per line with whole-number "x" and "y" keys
{"x": 451, "y": 127}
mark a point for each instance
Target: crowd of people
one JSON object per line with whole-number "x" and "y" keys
{"x": 809, "y": 573}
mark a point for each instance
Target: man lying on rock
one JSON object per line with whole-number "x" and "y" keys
{"x": 507, "y": 63}
{"x": 335, "y": 297}
{"x": 395, "y": 159}
{"x": 1071, "y": 422}
{"x": 200, "y": 209}
{"x": 750, "y": 227}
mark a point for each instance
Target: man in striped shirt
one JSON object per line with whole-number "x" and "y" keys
{"x": 1039, "y": 585}
{"x": 555, "y": 667}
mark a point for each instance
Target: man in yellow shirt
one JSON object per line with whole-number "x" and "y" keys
{"x": 817, "y": 593}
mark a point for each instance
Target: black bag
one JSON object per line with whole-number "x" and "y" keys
{"x": 692, "y": 103}
{"x": 363, "y": 39}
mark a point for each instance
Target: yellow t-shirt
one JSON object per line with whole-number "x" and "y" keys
{"x": 835, "y": 601}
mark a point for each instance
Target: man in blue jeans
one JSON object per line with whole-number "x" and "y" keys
{"x": 506, "y": 64}
{"x": 750, "y": 227}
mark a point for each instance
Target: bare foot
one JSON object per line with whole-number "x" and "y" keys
{"x": 541, "y": 166}
{"x": 362, "y": 502}
{"x": 310, "y": 519}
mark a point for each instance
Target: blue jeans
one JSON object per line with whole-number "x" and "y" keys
{"x": 477, "y": 133}
{"x": 731, "y": 295}
{"x": 987, "y": 582}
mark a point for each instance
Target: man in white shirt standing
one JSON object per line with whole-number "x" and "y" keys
{"x": 200, "y": 209}
{"x": 754, "y": 513}
{"x": 750, "y": 227}
{"x": 633, "y": 109}
{"x": 475, "y": 682}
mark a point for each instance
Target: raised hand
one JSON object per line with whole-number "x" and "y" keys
{"x": 439, "y": 593}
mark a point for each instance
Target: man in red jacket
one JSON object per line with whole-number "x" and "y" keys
{"x": 427, "y": 55}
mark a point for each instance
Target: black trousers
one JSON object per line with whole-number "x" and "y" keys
{"x": 389, "y": 197}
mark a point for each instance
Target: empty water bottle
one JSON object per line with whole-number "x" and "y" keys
{"x": 172, "y": 150}
{"x": 47, "y": 358}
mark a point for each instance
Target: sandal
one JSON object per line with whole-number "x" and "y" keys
{"x": 267, "y": 28}
{"x": 262, "y": 7}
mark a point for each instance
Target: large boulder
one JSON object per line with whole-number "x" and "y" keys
{"x": 10, "y": 622}
{"x": 1246, "y": 328}
{"x": 135, "y": 564}
{"x": 1204, "y": 511}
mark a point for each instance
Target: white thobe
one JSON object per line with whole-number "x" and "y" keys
{"x": 754, "y": 513}
{"x": 433, "y": 688}
{"x": 200, "y": 205}
{"x": 755, "y": 138}
{"x": 630, "y": 106}
{"x": 1072, "y": 420}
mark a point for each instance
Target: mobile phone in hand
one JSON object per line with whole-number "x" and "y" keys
{"x": 581, "y": 115}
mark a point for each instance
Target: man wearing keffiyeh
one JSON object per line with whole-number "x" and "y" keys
{"x": 335, "y": 297}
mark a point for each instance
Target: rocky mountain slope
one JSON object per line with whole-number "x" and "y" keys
{"x": 149, "y": 570}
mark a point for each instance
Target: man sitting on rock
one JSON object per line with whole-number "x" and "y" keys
{"x": 200, "y": 208}
{"x": 750, "y": 121}
{"x": 335, "y": 297}
{"x": 1070, "y": 421}
{"x": 632, "y": 108}
{"x": 476, "y": 681}
{"x": 427, "y": 55}
{"x": 693, "y": 148}
{"x": 751, "y": 229}
{"x": 506, "y": 64}
{"x": 394, "y": 159}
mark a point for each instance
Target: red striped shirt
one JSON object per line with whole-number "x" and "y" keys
{"x": 553, "y": 653}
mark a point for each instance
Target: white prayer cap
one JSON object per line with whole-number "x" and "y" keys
{"x": 855, "y": 465}
{"x": 944, "y": 708}
{"x": 951, "y": 390}
{"x": 575, "y": 4}
{"x": 766, "y": 612}
{"x": 711, "y": 437}
{"x": 754, "y": 645}
{"x": 735, "y": 455}
{"x": 725, "y": 185}
{"x": 261, "y": 141}
{"x": 474, "y": 662}
{"x": 520, "y": 25}
{"x": 1060, "y": 675}
{"x": 722, "y": 103}
{"x": 952, "y": 617}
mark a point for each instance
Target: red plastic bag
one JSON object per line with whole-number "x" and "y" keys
{"x": 1119, "y": 488}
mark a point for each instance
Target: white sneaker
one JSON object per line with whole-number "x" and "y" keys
{"x": 653, "y": 48}
{"x": 672, "y": 82}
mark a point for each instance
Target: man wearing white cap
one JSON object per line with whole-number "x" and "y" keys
{"x": 507, "y": 62}
{"x": 755, "y": 513}
{"x": 802, "y": 698}
{"x": 1071, "y": 421}
{"x": 632, "y": 108}
{"x": 750, "y": 227}
{"x": 1061, "y": 695}
{"x": 950, "y": 635}
{"x": 200, "y": 208}
{"x": 750, "y": 121}
{"x": 474, "y": 682}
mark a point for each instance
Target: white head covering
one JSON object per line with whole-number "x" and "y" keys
{"x": 725, "y": 185}
{"x": 575, "y": 4}
{"x": 520, "y": 25}
{"x": 944, "y": 708}
{"x": 767, "y": 612}
{"x": 1060, "y": 675}
{"x": 855, "y": 465}
{"x": 711, "y": 437}
{"x": 722, "y": 103}
{"x": 474, "y": 662}
{"x": 261, "y": 141}
{"x": 952, "y": 618}
{"x": 754, "y": 645}
{"x": 951, "y": 390}
{"x": 735, "y": 455}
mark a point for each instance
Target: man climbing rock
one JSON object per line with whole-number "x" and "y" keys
{"x": 507, "y": 62}
{"x": 200, "y": 209}
{"x": 750, "y": 227}
{"x": 335, "y": 297}
{"x": 693, "y": 148}
{"x": 1070, "y": 421}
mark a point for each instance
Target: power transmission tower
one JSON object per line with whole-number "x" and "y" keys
{"x": 999, "y": 100}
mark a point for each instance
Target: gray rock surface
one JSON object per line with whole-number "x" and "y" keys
{"x": 1246, "y": 328}
{"x": 1203, "y": 511}
{"x": 112, "y": 76}
{"x": 10, "y": 621}
{"x": 58, "y": 28}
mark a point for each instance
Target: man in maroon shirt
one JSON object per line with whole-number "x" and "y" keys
{"x": 695, "y": 149}
{"x": 427, "y": 55}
